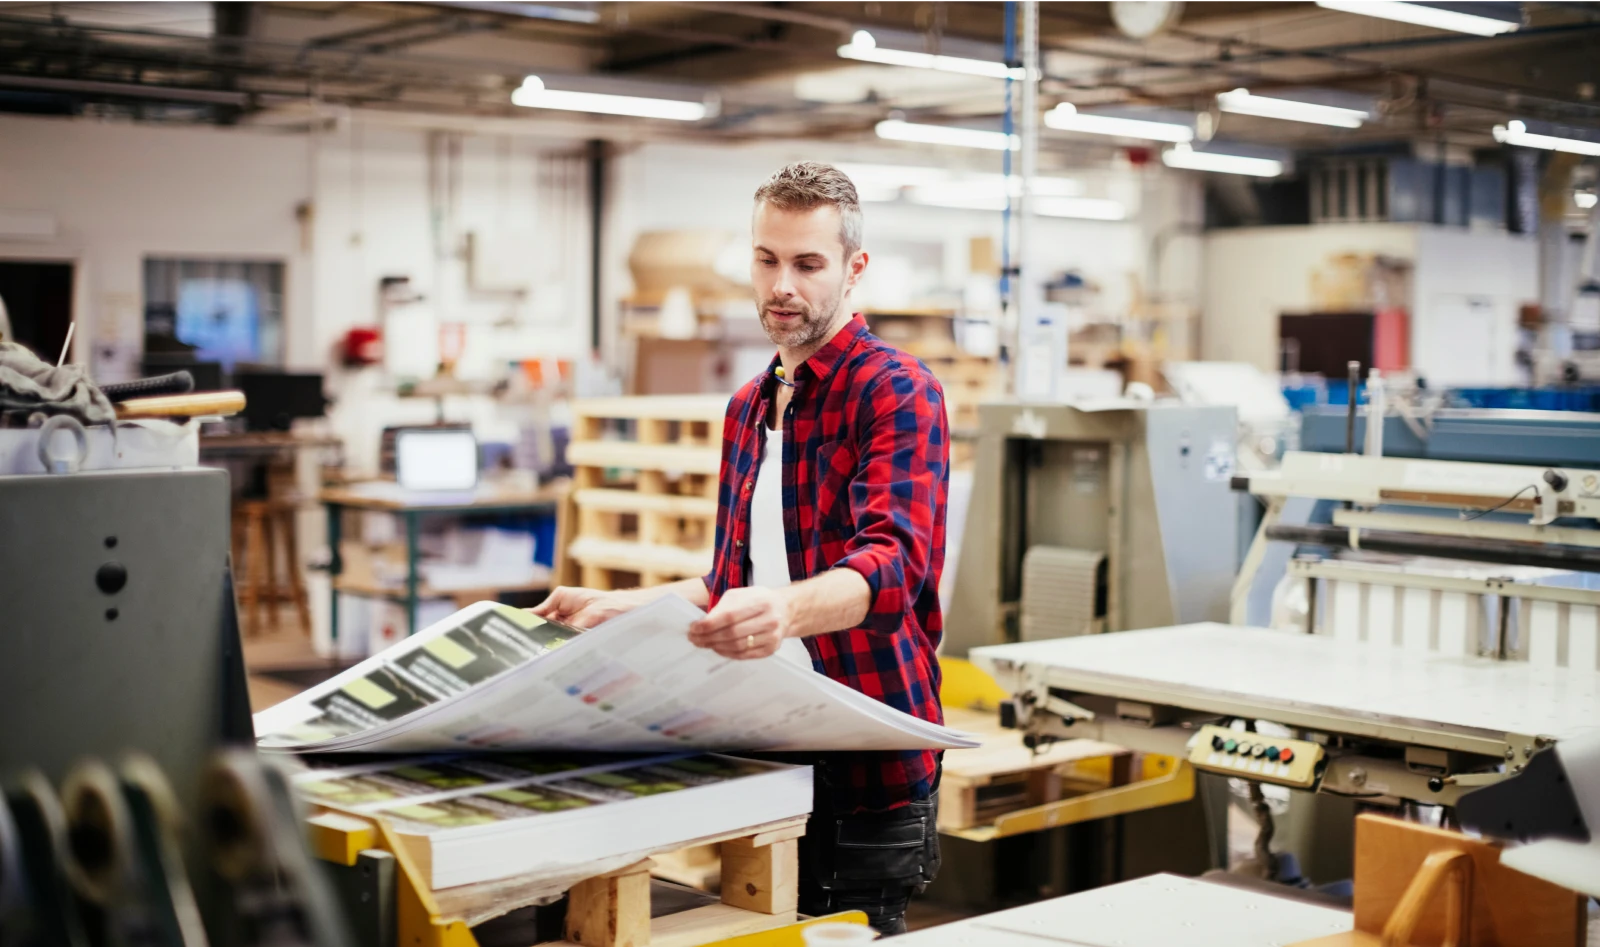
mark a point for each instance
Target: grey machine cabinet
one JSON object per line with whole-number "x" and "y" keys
{"x": 1147, "y": 486}
{"x": 117, "y": 628}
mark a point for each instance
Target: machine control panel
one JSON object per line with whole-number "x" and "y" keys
{"x": 1255, "y": 756}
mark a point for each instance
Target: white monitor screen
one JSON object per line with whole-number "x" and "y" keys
{"x": 436, "y": 460}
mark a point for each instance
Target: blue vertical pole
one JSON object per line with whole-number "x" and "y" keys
{"x": 1005, "y": 159}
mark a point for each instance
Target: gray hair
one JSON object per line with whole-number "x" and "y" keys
{"x": 804, "y": 185}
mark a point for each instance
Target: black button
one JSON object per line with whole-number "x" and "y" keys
{"x": 111, "y": 577}
{"x": 1217, "y": 742}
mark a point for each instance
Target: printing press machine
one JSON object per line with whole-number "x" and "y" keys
{"x": 1436, "y": 653}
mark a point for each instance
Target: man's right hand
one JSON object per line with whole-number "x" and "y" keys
{"x": 585, "y": 608}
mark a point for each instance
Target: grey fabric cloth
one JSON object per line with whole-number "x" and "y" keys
{"x": 28, "y": 384}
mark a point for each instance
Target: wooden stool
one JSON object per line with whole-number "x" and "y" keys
{"x": 258, "y": 526}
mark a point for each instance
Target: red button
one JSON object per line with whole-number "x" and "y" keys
{"x": 1285, "y": 755}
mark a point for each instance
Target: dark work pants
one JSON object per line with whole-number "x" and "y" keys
{"x": 871, "y": 861}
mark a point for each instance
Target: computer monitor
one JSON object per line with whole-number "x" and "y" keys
{"x": 274, "y": 399}
{"x": 435, "y": 459}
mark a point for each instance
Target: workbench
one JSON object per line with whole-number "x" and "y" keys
{"x": 411, "y": 508}
{"x": 1154, "y": 911}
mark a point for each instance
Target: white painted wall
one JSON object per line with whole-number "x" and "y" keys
{"x": 122, "y": 192}
{"x": 1466, "y": 290}
{"x": 1253, "y": 274}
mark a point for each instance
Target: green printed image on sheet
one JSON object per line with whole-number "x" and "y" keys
{"x": 443, "y": 814}
{"x": 438, "y": 776}
{"x": 539, "y": 799}
{"x": 485, "y": 646}
{"x": 349, "y": 791}
{"x": 623, "y": 784}
{"x": 361, "y": 704}
{"x": 518, "y": 765}
{"x": 540, "y": 634}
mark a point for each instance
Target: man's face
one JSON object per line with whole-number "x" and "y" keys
{"x": 799, "y": 273}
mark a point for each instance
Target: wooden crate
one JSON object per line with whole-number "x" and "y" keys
{"x": 1003, "y": 776}
{"x": 644, "y": 488}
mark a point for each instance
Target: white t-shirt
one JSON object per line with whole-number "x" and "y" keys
{"x": 769, "y": 553}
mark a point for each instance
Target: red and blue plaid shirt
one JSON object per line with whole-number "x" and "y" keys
{"x": 865, "y": 474}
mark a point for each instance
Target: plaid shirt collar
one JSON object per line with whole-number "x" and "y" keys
{"x": 825, "y": 360}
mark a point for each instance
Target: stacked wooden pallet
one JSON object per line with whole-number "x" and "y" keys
{"x": 759, "y": 865}
{"x": 644, "y": 488}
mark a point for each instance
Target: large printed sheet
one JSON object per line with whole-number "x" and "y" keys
{"x": 493, "y": 677}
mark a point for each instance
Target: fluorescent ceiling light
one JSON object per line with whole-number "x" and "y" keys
{"x": 897, "y": 130}
{"x": 865, "y": 48}
{"x": 1436, "y": 17}
{"x": 1084, "y": 208}
{"x": 1516, "y": 133}
{"x": 888, "y": 179}
{"x": 1240, "y": 101}
{"x": 1066, "y": 117}
{"x": 1187, "y": 158}
{"x": 532, "y": 94}
{"x": 1585, "y": 199}
{"x": 537, "y": 11}
{"x": 969, "y": 198}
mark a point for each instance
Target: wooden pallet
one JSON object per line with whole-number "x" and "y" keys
{"x": 761, "y": 891}
{"x": 760, "y": 866}
{"x": 645, "y": 489}
{"x": 1003, "y": 776}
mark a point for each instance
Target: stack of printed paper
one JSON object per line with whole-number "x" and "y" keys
{"x": 494, "y": 677}
{"x": 479, "y": 818}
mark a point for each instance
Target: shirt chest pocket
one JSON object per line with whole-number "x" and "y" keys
{"x": 836, "y": 467}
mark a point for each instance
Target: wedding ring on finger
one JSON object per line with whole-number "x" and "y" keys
{"x": 749, "y": 642}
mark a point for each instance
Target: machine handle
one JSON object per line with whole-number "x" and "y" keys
{"x": 177, "y": 383}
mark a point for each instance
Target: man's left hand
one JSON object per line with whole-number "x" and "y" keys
{"x": 747, "y": 623}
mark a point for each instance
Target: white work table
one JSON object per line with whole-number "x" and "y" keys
{"x": 1157, "y": 911}
{"x": 1299, "y": 679}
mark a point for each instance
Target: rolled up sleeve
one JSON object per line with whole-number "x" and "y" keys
{"x": 894, "y": 496}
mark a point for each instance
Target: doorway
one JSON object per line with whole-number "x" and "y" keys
{"x": 37, "y": 301}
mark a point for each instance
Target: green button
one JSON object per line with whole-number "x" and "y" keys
{"x": 1232, "y": 746}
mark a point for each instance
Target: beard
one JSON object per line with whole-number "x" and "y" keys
{"x": 812, "y": 325}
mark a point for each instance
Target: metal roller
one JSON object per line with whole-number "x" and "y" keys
{"x": 158, "y": 828}
{"x": 101, "y": 851}
{"x": 254, "y": 831}
{"x": 51, "y": 918}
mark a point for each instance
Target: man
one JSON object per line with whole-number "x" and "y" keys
{"x": 830, "y": 533}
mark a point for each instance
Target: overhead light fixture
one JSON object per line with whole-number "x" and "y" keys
{"x": 1185, "y": 157}
{"x": 1585, "y": 199}
{"x": 1082, "y": 208}
{"x": 1440, "y": 16}
{"x": 892, "y": 177}
{"x": 1241, "y": 102}
{"x": 894, "y": 129}
{"x": 1516, "y": 133}
{"x": 532, "y": 94}
{"x": 1067, "y": 118}
{"x": 864, "y": 48}
{"x": 962, "y": 197}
